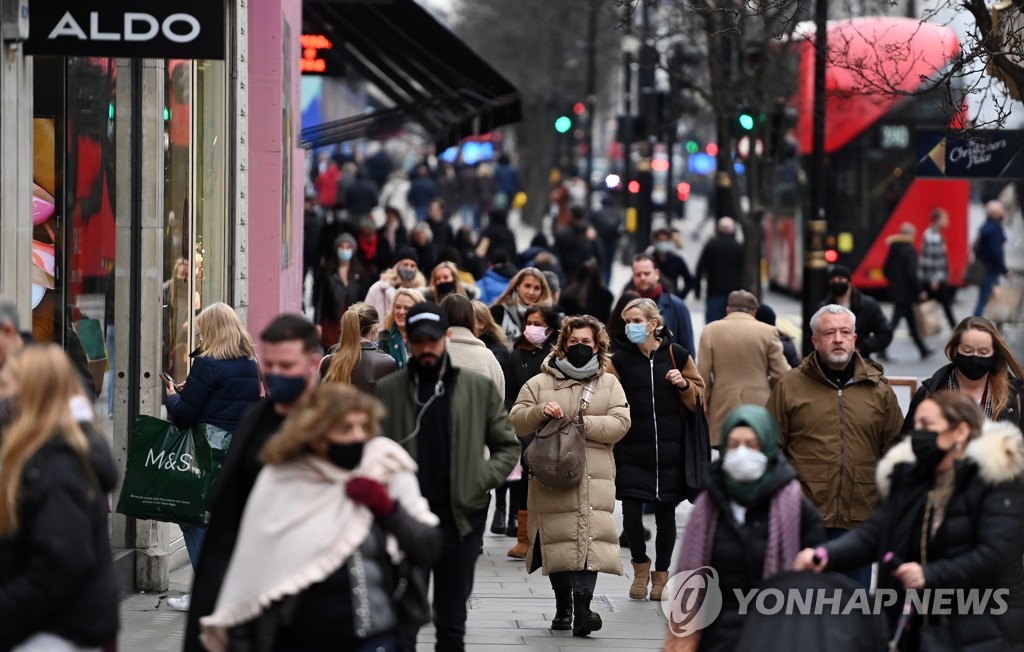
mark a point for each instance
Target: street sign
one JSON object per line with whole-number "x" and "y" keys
{"x": 183, "y": 29}
{"x": 973, "y": 154}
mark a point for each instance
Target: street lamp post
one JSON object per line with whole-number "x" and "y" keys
{"x": 815, "y": 280}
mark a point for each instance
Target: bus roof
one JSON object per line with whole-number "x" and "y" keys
{"x": 873, "y": 63}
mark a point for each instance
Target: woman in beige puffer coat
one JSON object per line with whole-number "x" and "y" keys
{"x": 571, "y": 532}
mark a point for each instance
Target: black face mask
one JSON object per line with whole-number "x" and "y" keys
{"x": 346, "y": 456}
{"x": 926, "y": 449}
{"x": 839, "y": 289}
{"x": 444, "y": 289}
{"x": 579, "y": 354}
{"x": 973, "y": 366}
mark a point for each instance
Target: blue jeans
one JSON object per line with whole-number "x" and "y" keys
{"x": 991, "y": 280}
{"x": 194, "y": 537}
{"x": 715, "y": 307}
{"x": 860, "y": 575}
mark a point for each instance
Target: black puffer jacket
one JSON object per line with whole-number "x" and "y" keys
{"x": 649, "y": 459}
{"x": 737, "y": 551}
{"x": 979, "y": 545}
{"x": 56, "y": 572}
{"x": 1011, "y": 412}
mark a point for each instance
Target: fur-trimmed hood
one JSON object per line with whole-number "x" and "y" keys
{"x": 998, "y": 453}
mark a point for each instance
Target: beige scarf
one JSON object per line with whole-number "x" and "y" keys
{"x": 299, "y": 527}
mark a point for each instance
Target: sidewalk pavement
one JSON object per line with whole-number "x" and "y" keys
{"x": 508, "y": 608}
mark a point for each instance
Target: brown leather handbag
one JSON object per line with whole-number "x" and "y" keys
{"x": 557, "y": 458}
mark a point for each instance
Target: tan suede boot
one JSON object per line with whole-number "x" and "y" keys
{"x": 641, "y": 578}
{"x": 518, "y": 551}
{"x": 658, "y": 581}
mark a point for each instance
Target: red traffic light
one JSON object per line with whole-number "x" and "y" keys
{"x": 634, "y": 186}
{"x": 831, "y": 256}
{"x": 579, "y": 108}
{"x": 683, "y": 191}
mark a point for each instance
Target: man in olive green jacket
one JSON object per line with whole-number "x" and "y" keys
{"x": 453, "y": 423}
{"x": 837, "y": 415}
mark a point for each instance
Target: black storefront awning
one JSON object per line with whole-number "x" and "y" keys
{"x": 433, "y": 78}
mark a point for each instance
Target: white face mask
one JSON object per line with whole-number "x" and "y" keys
{"x": 745, "y": 464}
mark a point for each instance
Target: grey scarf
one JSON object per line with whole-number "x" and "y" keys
{"x": 588, "y": 370}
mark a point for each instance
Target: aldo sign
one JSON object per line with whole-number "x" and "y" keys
{"x": 178, "y": 29}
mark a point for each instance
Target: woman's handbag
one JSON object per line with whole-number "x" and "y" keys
{"x": 696, "y": 441}
{"x": 412, "y": 602}
{"x": 558, "y": 455}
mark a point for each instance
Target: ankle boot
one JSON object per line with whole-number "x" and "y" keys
{"x": 641, "y": 578}
{"x": 518, "y": 551}
{"x": 585, "y": 621}
{"x": 512, "y": 529}
{"x": 658, "y": 581}
{"x": 563, "y": 610}
{"x": 498, "y": 522}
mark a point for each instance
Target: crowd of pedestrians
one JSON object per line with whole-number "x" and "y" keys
{"x": 361, "y": 446}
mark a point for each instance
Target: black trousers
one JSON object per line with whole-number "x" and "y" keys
{"x": 664, "y": 539}
{"x": 453, "y": 583}
{"x": 574, "y": 581}
{"x": 944, "y": 294}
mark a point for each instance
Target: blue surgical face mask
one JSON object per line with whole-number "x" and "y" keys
{"x": 345, "y": 255}
{"x": 663, "y": 247}
{"x": 285, "y": 389}
{"x": 636, "y": 333}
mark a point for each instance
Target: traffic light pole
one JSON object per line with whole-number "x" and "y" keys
{"x": 591, "y": 98}
{"x": 815, "y": 280}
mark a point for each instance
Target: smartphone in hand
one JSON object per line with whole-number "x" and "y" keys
{"x": 169, "y": 380}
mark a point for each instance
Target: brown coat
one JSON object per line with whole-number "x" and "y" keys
{"x": 740, "y": 359}
{"x": 835, "y": 437}
{"x": 575, "y": 525}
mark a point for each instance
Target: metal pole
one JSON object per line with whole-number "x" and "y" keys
{"x": 815, "y": 281}
{"x": 627, "y": 130}
{"x": 591, "y": 98}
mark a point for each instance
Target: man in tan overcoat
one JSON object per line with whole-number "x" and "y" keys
{"x": 739, "y": 359}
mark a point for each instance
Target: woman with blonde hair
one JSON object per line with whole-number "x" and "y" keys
{"x": 981, "y": 366}
{"x": 661, "y": 381}
{"x": 571, "y": 532}
{"x": 333, "y": 512}
{"x": 404, "y": 274}
{"x": 527, "y": 288}
{"x": 487, "y": 330}
{"x": 223, "y": 382}
{"x": 392, "y": 339}
{"x": 58, "y": 589}
{"x": 357, "y": 360}
{"x": 446, "y": 279}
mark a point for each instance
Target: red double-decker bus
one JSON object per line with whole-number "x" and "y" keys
{"x": 876, "y": 100}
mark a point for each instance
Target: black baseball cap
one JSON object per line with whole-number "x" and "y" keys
{"x": 426, "y": 321}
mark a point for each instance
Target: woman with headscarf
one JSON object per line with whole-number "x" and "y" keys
{"x": 571, "y": 531}
{"x": 748, "y": 524}
{"x": 951, "y": 518}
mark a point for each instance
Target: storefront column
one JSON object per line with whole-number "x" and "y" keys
{"x": 239, "y": 172}
{"x": 139, "y": 286}
{"x": 16, "y": 179}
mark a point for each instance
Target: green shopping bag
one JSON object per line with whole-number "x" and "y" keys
{"x": 170, "y": 472}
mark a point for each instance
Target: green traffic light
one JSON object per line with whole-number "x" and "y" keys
{"x": 747, "y": 121}
{"x": 563, "y": 124}
{"x": 692, "y": 147}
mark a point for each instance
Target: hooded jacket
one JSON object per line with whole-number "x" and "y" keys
{"x": 572, "y": 529}
{"x": 56, "y": 571}
{"x": 834, "y": 436}
{"x": 979, "y": 544}
{"x": 874, "y": 331}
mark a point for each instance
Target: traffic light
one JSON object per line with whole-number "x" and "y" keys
{"x": 579, "y": 108}
{"x": 683, "y": 191}
{"x": 633, "y": 187}
{"x": 746, "y": 120}
{"x": 692, "y": 147}
{"x": 563, "y": 124}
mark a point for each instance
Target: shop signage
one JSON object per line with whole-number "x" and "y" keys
{"x": 182, "y": 29}
{"x": 971, "y": 154}
{"x": 316, "y": 56}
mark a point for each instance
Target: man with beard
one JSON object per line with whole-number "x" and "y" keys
{"x": 453, "y": 423}
{"x": 290, "y": 360}
{"x": 837, "y": 416}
